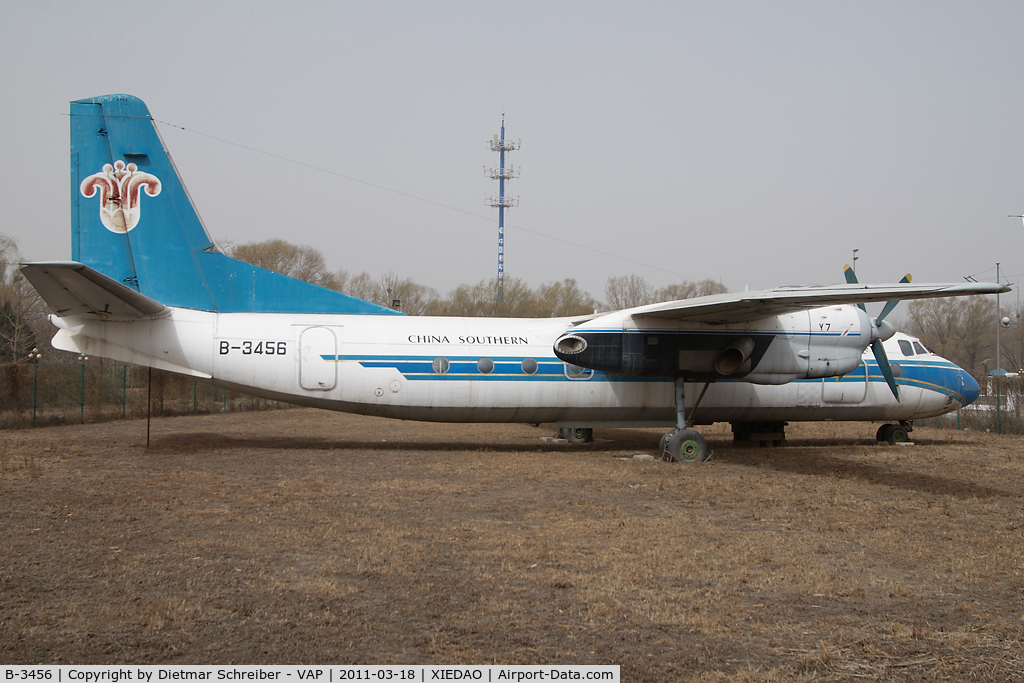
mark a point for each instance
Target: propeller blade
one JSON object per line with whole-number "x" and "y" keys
{"x": 876, "y": 346}
{"x": 851, "y": 279}
{"x": 883, "y": 365}
{"x": 891, "y": 304}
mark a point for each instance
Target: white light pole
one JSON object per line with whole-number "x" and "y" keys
{"x": 999, "y": 324}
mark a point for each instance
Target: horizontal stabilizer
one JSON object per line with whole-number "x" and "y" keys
{"x": 71, "y": 288}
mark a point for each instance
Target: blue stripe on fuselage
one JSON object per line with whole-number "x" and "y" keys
{"x": 939, "y": 376}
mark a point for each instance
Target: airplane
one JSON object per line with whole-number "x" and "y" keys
{"x": 147, "y": 285}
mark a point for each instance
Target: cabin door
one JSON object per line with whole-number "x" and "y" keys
{"x": 318, "y": 359}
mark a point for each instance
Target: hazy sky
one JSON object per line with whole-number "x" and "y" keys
{"x": 755, "y": 143}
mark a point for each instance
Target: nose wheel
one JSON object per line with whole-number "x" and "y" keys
{"x": 894, "y": 433}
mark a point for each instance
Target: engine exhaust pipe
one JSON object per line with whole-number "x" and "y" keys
{"x": 734, "y": 356}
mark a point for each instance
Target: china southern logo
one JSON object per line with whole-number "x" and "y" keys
{"x": 120, "y": 188}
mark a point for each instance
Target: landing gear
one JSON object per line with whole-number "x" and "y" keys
{"x": 683, "y": 444}
{"x": 895, "y": 433}
{"x": 759, "y": 434}
{"x": 576, "y": 434}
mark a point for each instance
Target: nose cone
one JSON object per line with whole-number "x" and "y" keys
{"x": 970, "y": 388}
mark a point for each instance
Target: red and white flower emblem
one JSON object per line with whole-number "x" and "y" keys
{"x": 120, "y": 188}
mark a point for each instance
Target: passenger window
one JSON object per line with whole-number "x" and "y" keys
{"x": 919, "y": 348}
{"x": 441, "y": 365}
{"x": 485, "y": 366}
{"x": 576, "y": 372}
{"x": 529, "y": 366}
{"x": 906, "y": 348}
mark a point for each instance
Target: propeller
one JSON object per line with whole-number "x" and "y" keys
{"x": 880, "y": 330}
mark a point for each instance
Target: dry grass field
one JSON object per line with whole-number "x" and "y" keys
{"x": 309, "y": 537}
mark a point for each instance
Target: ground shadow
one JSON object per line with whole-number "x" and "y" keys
{"x": 817, "y": 457}
{"x": 824, "y": 459}
{"x": 192, "y": 442}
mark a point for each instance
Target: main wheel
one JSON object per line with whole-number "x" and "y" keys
{"x": 577, "y": 434}
{"x": 687, "y": 445}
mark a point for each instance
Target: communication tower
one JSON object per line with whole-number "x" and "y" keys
{"x": 502, "y": 201}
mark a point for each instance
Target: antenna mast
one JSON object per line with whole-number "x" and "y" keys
{"x": 502, "y": 202}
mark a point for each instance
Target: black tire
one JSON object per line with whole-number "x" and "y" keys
{"x": 883, "y": 432}
{"x": 687, "y": 445}
{"x": 898, "y": 435}
{"x": 578, "y": 435}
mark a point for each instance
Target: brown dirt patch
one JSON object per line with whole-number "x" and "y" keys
{"x": 311, "y": 537}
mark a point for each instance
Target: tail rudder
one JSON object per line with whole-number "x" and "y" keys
{"x": 131, "y": 218}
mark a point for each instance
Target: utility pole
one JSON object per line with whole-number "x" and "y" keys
{"x": 502, "y": 202}
{"x": 999, "y": 324}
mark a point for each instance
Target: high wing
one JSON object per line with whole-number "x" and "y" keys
{"x": 738, "y": 307}
{"x": 71, "y": 288}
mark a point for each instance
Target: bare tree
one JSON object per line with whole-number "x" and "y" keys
{"x": 565, "y": 298}
{"x": 628, "y": 291}
{"x": 300, "y": 262}
{"x": 690, "y": 290}
{"x": 364, "y": 287}
{"x": 960, "y": 329}
{"x": 22, "y": 312}
{"x": 481, "y": 300}
{"x": 342, "y": 276}
{"x": 413, "y": 299}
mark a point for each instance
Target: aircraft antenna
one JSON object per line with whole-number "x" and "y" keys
{"x": 502, "y": 201}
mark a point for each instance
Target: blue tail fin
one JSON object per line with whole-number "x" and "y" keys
{"x": 133, "y": 220}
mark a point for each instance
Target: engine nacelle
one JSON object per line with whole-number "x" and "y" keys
{"x": 694, "y": 354}
{"x": 823, "y": 342}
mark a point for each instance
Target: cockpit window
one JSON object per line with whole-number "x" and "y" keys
{"x": 906, "y": 348}
{"x": 919, "y": 347}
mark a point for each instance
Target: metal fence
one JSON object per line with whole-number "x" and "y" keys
{"x": 998, "y": 409}
{"x": 49, "y": 394}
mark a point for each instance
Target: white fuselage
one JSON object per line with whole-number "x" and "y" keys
{"x": 504, "y": 370}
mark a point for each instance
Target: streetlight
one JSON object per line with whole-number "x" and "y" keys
{"x": 999, "y": 324}
{"x": 81, "y": 359}
{"x": 34, "y": 356}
